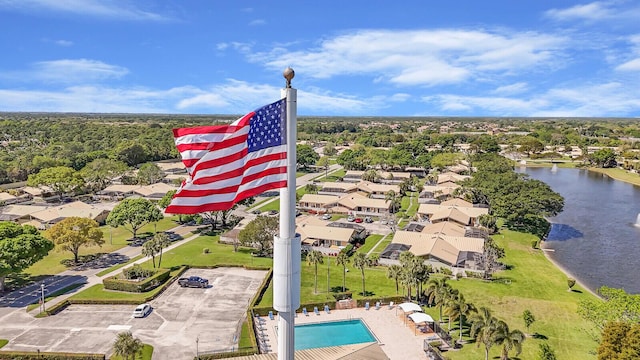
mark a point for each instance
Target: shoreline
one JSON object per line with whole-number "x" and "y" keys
{"x": 544, "y": 249}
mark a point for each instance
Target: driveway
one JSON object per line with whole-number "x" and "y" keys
{"x": 179, "y": 317}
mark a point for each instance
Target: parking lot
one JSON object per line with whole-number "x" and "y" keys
{"x": 179, "y": 317}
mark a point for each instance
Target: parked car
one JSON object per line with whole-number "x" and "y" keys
{"x": 358, "y": 220}
{"x": 326, "y": 217}
{"x": 141, "y": 310}
{"x": 273, "y": 212}
{"x": 193, "y": 281}
{"x": 351, "y": 218}
{"x": 368, "y": 219}
{"x": 256, "y": 212}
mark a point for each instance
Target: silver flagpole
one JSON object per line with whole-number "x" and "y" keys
{"x": 286, "y": 246}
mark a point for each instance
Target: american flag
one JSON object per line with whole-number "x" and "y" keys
{"x": 229, "y": 163}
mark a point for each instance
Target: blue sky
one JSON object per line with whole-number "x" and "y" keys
{"x": 352, "y": 58}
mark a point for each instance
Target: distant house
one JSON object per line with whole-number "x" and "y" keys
{"x": 376, "y": 191}
{"x": 353, "y": 176}
{"x": 457, "y": 211}
{"x": 435, "y": 193}
{"x": 439, "y": 250}
{"x": 173, "y": 167}
{"x": 152, "y": 192}
{"x": 19, "y": 213}
{"x": 53, "y": 215}
{"x": 362, "y": 205}
{"x": 336, "y": 188}
{"x": 325, "y": 236}
{"x": 394, "y": 177}
{"x": 8, "y": 199}
{"x": 40, "y": 194}
{"x": 317, "y": 203}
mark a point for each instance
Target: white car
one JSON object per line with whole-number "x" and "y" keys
{"x": 142, "y": 310}
{"x": 326, "y": 217}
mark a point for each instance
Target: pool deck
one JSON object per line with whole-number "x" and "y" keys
{"x": 396, "y": 337}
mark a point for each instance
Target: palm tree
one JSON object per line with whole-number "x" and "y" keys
{"x": 343, "y": 259}
{"x": 483, "y": 329}
{"x": 360, "y": 261}
{"x": 393, "y": 199}
{"x": 510, "y": 339}
{"x": 161, "y": 241}
{"x": 314, "y": 257}
{"x": 405, "y": 186}
{"x": 371, "y": 175}
{"x": 126, "y": 345}
{"x": 394, "y": 272}
{"x": 458, "y": 308}
{"x": 149, "y": 249}
{"x": 436, "y": 291}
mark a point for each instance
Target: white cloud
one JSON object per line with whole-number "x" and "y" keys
{"x": 123, "y": 10}
{"x": 68, "y": 71}
{"x": 421, "y": 57}
{"x": 591, "y": 100}
{"x": 63, "y": 42}
{"x": 593, "y": 11}
{"x": 511, "y": 89}
{"x": 631, "y": 65}
{"x": 257, "y": 22}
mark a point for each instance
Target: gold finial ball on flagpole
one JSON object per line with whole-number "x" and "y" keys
{"x": 288, "y": 74}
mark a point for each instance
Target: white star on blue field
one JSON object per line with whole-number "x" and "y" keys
{"x": 537, "y": 58}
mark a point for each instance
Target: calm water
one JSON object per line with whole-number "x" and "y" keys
{"x": 596, "y": 237}
{"x": 331, "y": 334}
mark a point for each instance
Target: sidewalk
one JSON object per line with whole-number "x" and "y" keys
{"x": 89, "y": 278}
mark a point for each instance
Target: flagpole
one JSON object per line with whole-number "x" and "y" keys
{"x": 286, "y": 246}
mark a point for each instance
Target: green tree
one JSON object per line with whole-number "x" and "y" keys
{"x": 134, "y": 214}
{"x": 323, "y": 162}
{"x": 604, "y": 158}
{"x": 149, "y": 173}
{"x": 149, "y": 249}
{"x": 360, "y": 262}
{"x": 61, "y": 179}
{"x": 438, "y": 291}
{"x": 306, "y": 155}
{"x": 161, "y": 241}
{"x": 342, "y": 260}
{"x": 259, "y": 233}
{"x": 509, "y": 339}
{"x": 330, "y": 149}
{"x": 73, "y": 233}
{"x": 458, "y": 308}
{"x": 100, "y": 172}
{"x": 20, "y": 247}
{"x": 545, "y": 352}
{"x": 395, "y": 272}
{"x": 528, "y": 318}
{"x": 126, "y": 346}
{"x": 530, "y": 145}
{"x": 314, "y": 257}
{"x": 394, "y": 200}
{"x": 571, "y": 283}
{"x": 443, "y": 160}
{"x": 483, "y": 329}
{"x": 371, "y": 175}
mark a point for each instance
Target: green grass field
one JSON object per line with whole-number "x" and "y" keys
{"x": 369, "y": 243}
{"x": 333, "y": 177}
{"x": 3, "y": 342}
{"x": 619, "y": 174}
{"x": 147, "y": 352}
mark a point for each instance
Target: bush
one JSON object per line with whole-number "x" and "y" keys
{"x": 342, "y": 295}
{"x": 205, "y": 250}
{"x": 137, "y": 272}
{"x": 23, "y": 355}
{"x": 534, "y": 244}
{"x": 114, "y": 283}
{"x": 446, "y": 271}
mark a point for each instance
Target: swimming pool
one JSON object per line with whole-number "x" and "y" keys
{"x": 318, "y": 335}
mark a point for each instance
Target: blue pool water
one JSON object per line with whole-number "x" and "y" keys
{"x": 335, "y": 333}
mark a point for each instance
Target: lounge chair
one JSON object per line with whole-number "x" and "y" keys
{"x": 366, "y": 305}
{"x": 315, "y": 310}
{"x": 377, "y": 305}
{"x": 271, "y": 315}
{"x": 305, "y": 312}
{"x": 390, "y": 305}
{"x": 326, "y": 309}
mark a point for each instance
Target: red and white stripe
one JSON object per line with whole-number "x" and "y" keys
{"x": 222, "y": 171}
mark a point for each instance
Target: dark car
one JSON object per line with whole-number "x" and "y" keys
{"x": 193, "y": 281}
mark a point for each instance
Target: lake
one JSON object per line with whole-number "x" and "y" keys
{"x": 596, "y": 237}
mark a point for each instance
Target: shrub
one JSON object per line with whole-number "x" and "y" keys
{"x": 571, "y": 283}
{"x": 137, "y": 272}
{"x": 205, "y": 250}
{"x": 534, "y": 244}
{"x": 446, "y": 271}
{"x": 113, "y": 283}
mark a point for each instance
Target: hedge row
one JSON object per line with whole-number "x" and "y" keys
{"x": 115, "y": 283}
{"x": 21, "y": 355}
{"x": 63, "y": 304}
{"x": 227, "y": 355}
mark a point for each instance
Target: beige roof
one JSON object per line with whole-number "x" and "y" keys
{"x": 37, "y": 191}
{"x": 370, "y": 187}
{"x": 396, "y": 175}
{"x": 6, "y": 196}
{"x": 429, "y": 209}
{"x": 444, "y": 228}
{"x": 451, "y": 214}
{"x": 352, "y": 201}
{"x": 22, "y": 210}
{"x": 176, "y": 176}
{"x": 457, "y": 202}
{"x": 338, "y": 185}
{"x": 157, "y": 188}
{"x": 36, "y": 224}
{"x": 319, "y": 199}
{"x": 324, "y": 233}
{"x": 443, "y": 247}
{"x": 451, "y": 176}
{"x": 120, "y": 188}
{"x": 448, "y": 184}
{"x": 74, "y": 209}
{"x": 354, "y": 173}
{"x": 169, "y": 166}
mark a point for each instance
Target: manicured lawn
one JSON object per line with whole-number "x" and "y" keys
{"x": 333, "y": 177}
{"x": 369, "y": 243}
{"x": 619, "y": 174}
{"x": 533, "y": 283}
{"x": 3, "y": 342}
{"x": 147, "y": 351}
{"x": 54, "y": 263}
{"x": 383, "y": 244}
